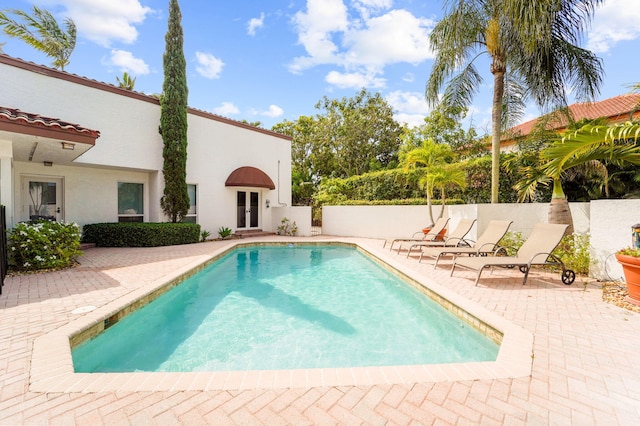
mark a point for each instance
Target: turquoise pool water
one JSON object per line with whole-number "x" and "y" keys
{"x": 285, "y": 307}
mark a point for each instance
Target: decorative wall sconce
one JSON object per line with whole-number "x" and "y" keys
{"x": 68, "y": 145}
{"x": 268, "y": 202}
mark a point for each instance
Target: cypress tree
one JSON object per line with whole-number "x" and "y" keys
{"x": 173, "y": 119}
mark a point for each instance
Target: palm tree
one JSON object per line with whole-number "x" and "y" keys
{"x": 444, "y": 177}
{"x": 42, "y": 32}
{"x": 127, "y": 82}
{"x": 614, "y": 144}
{"x": 533, "y": 52}
{"x": 430, "y": 156}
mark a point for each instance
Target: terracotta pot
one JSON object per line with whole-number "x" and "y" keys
{"x": 631, "y": 269}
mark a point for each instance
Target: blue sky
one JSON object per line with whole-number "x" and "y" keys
{"x": 273, "y": 60}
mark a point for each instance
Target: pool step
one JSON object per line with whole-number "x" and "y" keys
{"x": 252, "y": 233}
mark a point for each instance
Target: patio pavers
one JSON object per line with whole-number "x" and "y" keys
{"x": 584, "y": 367}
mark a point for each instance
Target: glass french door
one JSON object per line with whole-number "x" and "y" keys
{"x": 247, "y": 207}
{"x": 42, "y": 198}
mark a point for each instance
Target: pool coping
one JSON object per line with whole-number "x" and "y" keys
{"x": 52, "y": 364}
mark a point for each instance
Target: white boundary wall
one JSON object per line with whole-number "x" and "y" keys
{"x": 607, "y": 221}
{"x": 301, "y": 215}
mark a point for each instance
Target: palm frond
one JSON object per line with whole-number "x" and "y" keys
{"x": 612, "y": 143}
{"x": 41, "y": 31}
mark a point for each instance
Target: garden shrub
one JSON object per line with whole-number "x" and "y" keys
{"x": 400, "y": 185}
{"x": 575, "y": 252}
{"x": 287, "y": 228}
{"x": 512, "y": 241}
{"x": 44, "y": 245}
{"x": 146, "y": 234}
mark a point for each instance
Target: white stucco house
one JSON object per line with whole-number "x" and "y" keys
{"x": 83, "y": 151}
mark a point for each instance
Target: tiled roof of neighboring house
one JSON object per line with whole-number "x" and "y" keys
{"x": 617, "y": 109}
{"x": 17, "y": 116}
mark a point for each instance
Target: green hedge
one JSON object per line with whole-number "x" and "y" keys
{"x": 146, "y": 234}
{"x": 400, "y": 185}
{"x": 404, "y": 202}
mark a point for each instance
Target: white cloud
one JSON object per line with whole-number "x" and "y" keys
{"x": 361, "y": 41}
{"x": 273, "y": 111}
{"x": 408, "y": 102}
{"x": 397, "y": 36}
{"x": 208, "y": 65}
{"x": 102, "y": 21}
{"x": 126, "y": 62}
{"x": 411, "y": 120}
{"x": 254, "y": 24}
{"x": 365, "y": 7}
{"x": 615, "y": 21}
{"x": 409, "y": 77}
{"x": 227, "y": 108}
{"x": 408, "y": 107}
{"x": 354, "y": 80}
{"x": 315, "y": 32}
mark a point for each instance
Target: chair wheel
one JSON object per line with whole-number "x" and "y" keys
{"x": 568, "y": 276}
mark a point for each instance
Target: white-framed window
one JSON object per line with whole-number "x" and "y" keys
{"x": 130, "y": 202}
{"x": 192, "y": 214}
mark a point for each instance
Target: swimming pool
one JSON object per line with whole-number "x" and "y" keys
{"x": 321, "y": 306}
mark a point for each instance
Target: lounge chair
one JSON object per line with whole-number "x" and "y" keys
{"x": 536, "y": 250}
{"x": 432, "y": 235}
{"x": 455, "y": 238}
{"x": 487, "y": 243}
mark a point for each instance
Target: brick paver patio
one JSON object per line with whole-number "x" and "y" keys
{"x": 584, "y": 368}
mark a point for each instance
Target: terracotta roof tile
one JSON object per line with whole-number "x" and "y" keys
{"x": 617, "y": 109}
{"x": 15, "y": 115}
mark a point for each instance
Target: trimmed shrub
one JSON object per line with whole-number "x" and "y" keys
{"x": 147, "y": 234}
{"x": 44, "y": 245}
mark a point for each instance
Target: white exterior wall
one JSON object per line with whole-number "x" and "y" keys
{"x": 89, "y": 195}
{"x": 129, "y": 149}
{"x": 301, "y": 215}
{"x": 402, "y": 221}
{"x": 608, "y": 222}
{"x": 128, "y": 127}
{"x": 220, "y": 150}
{"x": 611, "y": 222}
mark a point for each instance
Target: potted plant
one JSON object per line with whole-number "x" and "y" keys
{"x": 629, "y": 258}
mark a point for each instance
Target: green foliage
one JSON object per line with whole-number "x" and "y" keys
{"x": 224, "y": 232}
{"x": 511, "y": 242}
{"x": 204, "y": 235}
{"x": 400, "y": 186}
{"x": 523, "y": 67}
{"x": 442, "y": 126}
{"x": 173, "y": 120}
{"x": 44, "y": 245}
{"x": 127, "y": 82}
{"x": 630, "y": 251}
{"x": 350, "y": 136}
{"x": 404, "y": 202}
{"x": 287, "y": 227}
{"x": 575, "y": 252}
{"x": 42, "y": 32}
{"x": 147, "y": 234}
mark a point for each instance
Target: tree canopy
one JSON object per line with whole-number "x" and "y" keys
{"x": 534, "y": 54}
